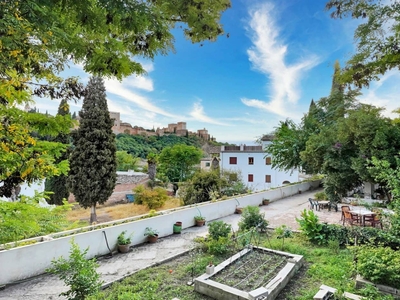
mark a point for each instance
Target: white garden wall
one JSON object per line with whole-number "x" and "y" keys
{"x": 27, "y": 261}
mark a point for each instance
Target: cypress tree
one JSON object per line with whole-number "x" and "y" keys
{"x": 58, "y": 184}
{"x": 93, "y": 161}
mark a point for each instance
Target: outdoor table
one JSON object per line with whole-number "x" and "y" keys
{"x": 362, "y": 213}
{"x": 323, "y": 203}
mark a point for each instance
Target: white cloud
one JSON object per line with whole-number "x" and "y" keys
{"x": 119, "y": 89}
{"x": 384, "y": 93}
{"x": 268, "y": 56}
{"x": 198, "y": 114}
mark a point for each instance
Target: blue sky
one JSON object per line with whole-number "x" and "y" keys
{"x": 279, "y": 55}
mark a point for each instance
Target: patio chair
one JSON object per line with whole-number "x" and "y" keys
{"x": 350, "y": 218}
{"x": 374, "y": 220}
{"x": 344, "y": 208}
{"x": 314, "y": 204}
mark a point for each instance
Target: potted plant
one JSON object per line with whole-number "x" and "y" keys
{"x": 152, "y": 234}
{"x": 238, "y": 209}
{"x": 124, "y": 242}
{"x": 177, "y": 228}
{"x": 265, "y": 201}
{"x": 200, "y": 220}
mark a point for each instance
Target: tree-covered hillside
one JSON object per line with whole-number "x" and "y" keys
{"x": 141, "y": 146}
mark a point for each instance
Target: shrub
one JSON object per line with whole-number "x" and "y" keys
{"x": 25, "y": 219}
{"x": 321, "y": 196}
{"x": 154, "y": 198}
{"x": 218, "y": 229}
{"x": 219, "y": 246}
{"x": 78, "y": 273}
{"x": 310, "y": 227}
{"x": 379, "y": 264}
{"x": 252, "y": 218}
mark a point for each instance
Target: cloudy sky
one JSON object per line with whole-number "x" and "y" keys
{"x": 275, "y": 58}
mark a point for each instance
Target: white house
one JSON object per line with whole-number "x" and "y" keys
{"x": 255, "y": 166}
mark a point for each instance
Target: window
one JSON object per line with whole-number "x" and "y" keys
{"x": 250, "y": 178}
{"x": 207, "y": 164}
{"x": 251, "y": 160}
{"x": 232, "y": 160}
{"x": 268, "y": 160}
{"x": 268, "y": 178}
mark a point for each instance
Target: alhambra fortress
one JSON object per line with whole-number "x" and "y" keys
{"x": 178, "y": 129}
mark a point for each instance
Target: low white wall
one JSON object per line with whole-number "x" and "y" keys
{"x": 27, "y": 261}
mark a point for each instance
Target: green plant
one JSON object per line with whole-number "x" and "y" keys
{"x": 283, "y": 232}
{"x": 321, "y": 196}
{"x": 199, "y": 218}
{"x": 153, "y": 198}
{"x": 252, "y": 218}
{"x": 122, "y": 239}
{"x": 78, "y": 273}
{"x": 370, "y": 292}
{"x": 219, "y": 246}
{"x": 310, "y": 226}
{"x": 218, "y": 229}
{"x": 379, "y": 264}
{"x": 150, "y": 232}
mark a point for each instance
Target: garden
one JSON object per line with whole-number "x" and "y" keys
{"x": 333, "y": 255}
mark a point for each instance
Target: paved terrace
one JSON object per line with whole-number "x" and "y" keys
{"x": 279, "y": 212}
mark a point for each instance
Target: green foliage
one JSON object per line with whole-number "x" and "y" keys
{"x": 218, "y": 246}
{"x": 376, "y": 52}
{"x": 252, "y": 218}
{"x": 93, "y": 163}
{"x": 153, "y": 198}
{"x": 370, "y": 292}
{"x": 150, "y": 232}
{"x": 177, "y": 162}
{"x": 310, "y": 227}
{"x": 105, "y": 37}
{"x": 320, "y": 196}
{"x": 283, "y": 232}
{"x": 126, "y": 161}
{"x": 379, "y": 264}
{"x": 219, "y": 229}
{"x": 200, "y": 186}
{"x": 199, "y": 218}
{"x": 143, "y": 146}
{"x": 78, "y": 273}
{"x": 26, "y": 219}
{"x": 123, "y": 239}
{"x": 58, "y": 184}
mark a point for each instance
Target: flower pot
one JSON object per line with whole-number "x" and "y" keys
{"x": 152, "y": 238}
{"x": 200, "y": 223}
{"x": 238, "y": 210}
{"x": 123, "y": 248}
{"x": 177, "y": 228}
{"x": 265, "y": 202}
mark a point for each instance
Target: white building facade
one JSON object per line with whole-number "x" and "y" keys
{"x": 255, "y": 166}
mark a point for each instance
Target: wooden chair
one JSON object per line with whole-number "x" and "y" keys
{"x": 374, "y": 220}
{"x": 350, "y": 218}
{"x": 344, "y": 208}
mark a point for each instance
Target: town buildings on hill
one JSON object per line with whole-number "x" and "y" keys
{"x": 174, "y": 128}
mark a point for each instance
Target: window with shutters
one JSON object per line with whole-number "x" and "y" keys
{"x": 232, "y": 160}
{"x": 250, "y": 178}
{"x": 268, "y": 178}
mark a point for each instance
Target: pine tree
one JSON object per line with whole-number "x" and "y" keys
{"x": 58, "y": 184}
{"x": 93, "y": 161}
